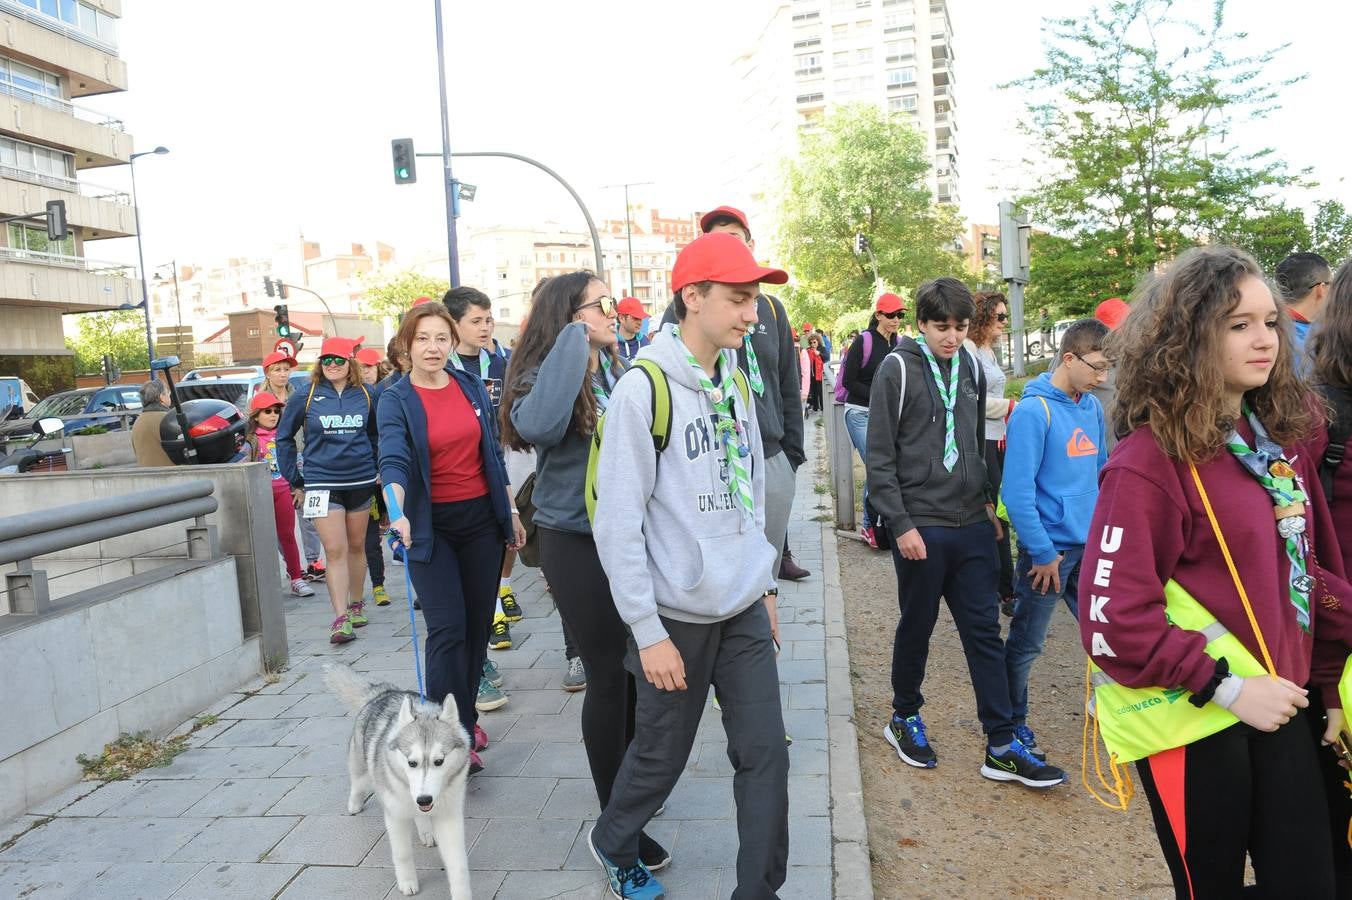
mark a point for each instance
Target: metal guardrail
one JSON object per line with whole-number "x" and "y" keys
{"x": 61, "y": 528}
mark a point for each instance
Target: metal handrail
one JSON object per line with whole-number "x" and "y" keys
{"x": 35, "y": 534}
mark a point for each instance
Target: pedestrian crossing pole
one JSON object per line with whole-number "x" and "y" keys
{"x": 1014, "y": 232}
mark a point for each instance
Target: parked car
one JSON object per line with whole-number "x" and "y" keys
{"x": 234, "y": 384}
{"x": 78, "y": 409}
{"x": 16, "y": 398}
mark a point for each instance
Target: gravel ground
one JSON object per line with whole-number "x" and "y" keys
{"x": 948, "y": 832}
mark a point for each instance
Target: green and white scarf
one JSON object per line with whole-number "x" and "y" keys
{"x": 949, "y": 397}
{"x": 728, "y": 429}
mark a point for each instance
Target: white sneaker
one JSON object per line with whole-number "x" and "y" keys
{"x": 299, "y": 588}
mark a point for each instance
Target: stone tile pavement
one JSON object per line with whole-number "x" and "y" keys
{"x": 255, "y": 809}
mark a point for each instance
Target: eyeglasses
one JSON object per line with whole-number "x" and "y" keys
{"x": 893, "y": 315}
{"x": 1098, "y": 370}
{"x": 1002, "y": 317}
{"x": 275, "y": 410}
{"x": 332, "y": 360}
{"x": 605, "y": 304}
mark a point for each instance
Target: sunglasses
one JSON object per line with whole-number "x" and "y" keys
{"x": 893, "y": 315}
{"x": 275, "y": 410}
{"x": 605, "y": 304}
{"x": 332, "y": 360}
{"x": 1002, "y": 317}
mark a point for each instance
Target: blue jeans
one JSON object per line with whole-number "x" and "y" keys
{"x": 856, "y": 424}
{"x": 1032, "y": 614}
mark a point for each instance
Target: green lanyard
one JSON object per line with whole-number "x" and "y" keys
{"x": 484, "y": 361}
{"x": 949, "y": 397}
{"x": 727, "y": 429}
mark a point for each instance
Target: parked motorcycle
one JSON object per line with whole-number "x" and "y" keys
{"x": 33, "y": 458}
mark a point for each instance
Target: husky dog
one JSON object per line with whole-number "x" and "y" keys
{"x": 414, "y": 756}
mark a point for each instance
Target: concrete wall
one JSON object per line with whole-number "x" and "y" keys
{"x": 244, "y": 522}
{"x": 102, "y": 451}
{"x": 143, "y": 655}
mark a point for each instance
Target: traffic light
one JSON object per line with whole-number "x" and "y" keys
{"x": 405, "y": 164}
{"x": 861, "y": 244}
{"x": 56, "y": 220}
{"x": 267, "y": 286}
{"x": 282, "y": 320}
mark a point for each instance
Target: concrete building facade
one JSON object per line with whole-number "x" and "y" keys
{"x": 53, "y": 53}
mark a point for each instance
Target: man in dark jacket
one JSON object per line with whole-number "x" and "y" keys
{"x": 778, "y": 405}
{"x": 862, "y": 358}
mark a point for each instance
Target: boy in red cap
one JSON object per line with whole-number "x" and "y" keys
{"x": 770, "y": 360}
{"x": 681, "y": 535}
{"x": 629, "y": 327}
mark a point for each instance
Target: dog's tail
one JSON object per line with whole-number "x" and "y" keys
{"x": 353, "y": 688}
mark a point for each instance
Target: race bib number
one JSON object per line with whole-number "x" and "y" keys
{"x": 316, "y": 505}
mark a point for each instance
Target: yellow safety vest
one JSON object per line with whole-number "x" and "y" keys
{"x": 1137, "y": 722}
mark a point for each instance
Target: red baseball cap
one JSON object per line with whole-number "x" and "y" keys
{"x": 421, "y": 300}
{"x": 277, "y": 356}
{"x": 631, "y": 306}
{"x": 340, "y": 346}
{"x": 722, "y": 257}
{"x": 889, "y": 303}
{"x": 369, "y": 356}
{"x": 263, "y": 400}
{"x": 1112, "y": 312}
{"x": 807, "y": 326}
{"x": 706, "y": 220}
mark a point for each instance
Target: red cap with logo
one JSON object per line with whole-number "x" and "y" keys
{"x": 732, "y": 212}
{"x": 1112, "y": 312}
{"x": 889, "y": 303}
{"x": 263, "y": 400}
{"x": 722, "y": 257}
{"x": 369, "y": 356}
{"x": 631, "y": 306}
{"x": 340, "y": 346}
{"x": 277, "y": 356}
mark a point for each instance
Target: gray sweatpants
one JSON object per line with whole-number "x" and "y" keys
{"x": 737, "y": 657}
{"x": 779, "y": 484}
{"x": 309, "y": 538}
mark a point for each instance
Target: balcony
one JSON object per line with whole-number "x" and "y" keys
{"x": 943, "y": 73}
{"x": 98, "y": 212}
{"x": 68, "y": 283}
{"x": 91, "y": 64}
{"x": 95, "y": 139}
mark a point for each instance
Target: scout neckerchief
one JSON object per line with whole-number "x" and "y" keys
{"x": 949, "y": 397}
{"x": 602, "y": 383}
{"x": 1268, "y": 464}
{"x": 484, "y": 361}
{"x": 753, "y": 369}
{"x": 727, "y": 429}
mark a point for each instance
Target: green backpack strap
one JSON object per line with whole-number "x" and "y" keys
{"x": 660, "y": 405}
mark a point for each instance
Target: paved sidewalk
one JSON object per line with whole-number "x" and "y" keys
{"x": 256, "y": 808}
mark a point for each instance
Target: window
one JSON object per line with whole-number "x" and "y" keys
{"x": 863, "y": 55}
{"x": 253, "y": 332}
{"x": 839, "y": 31}
{"x": 898, "y": 22}
{"x": 808, "y": 64}
{"x": 802, "y": 98}
{"x": 840, "y": 58}
{"x": 863, "y": 25}
{"x": 898, "y": 77}
{"x": 504, "y": 312}
{"x": 81, "y": 17}
{"x": 38, "y": 164}
{"x": 27, "y": 83}
{"x": 33, "y": 239}
{"x": 807, "y": 17}
{"x": 806, "y": 43}
{"x": 901, "y": 51}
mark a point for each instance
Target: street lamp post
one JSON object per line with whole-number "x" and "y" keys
{"x": 178, "y": 306}
{"x": 628, "y": 232}
{"x": 140, "y": 253}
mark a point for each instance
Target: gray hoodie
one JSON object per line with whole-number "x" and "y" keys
{"x": 671, "y": 539}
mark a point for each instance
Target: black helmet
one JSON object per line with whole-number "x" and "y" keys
{"x": 216, "y": 426}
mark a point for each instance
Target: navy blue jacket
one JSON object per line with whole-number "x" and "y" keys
{"x": 404, "y": 459}
{"x": 340, "y": 437}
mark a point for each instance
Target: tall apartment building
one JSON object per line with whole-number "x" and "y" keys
{"x": 52, "y": 54}
{"x": 816, "y": 54}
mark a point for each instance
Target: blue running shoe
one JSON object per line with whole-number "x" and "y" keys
{"x": 630, "y": 883}
{"x": 1025, "y": 735}
{"x": 1018, "y": 764}
{"x": 907, "y": 737}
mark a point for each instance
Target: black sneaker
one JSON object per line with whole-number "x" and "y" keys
{"x": 652, "y": 854}
{"x": 1025, "y": 735}
{"x": 1018, "y": 764}
{"x": 909, "y": 740}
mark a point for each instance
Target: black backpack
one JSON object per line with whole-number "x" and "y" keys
{"x": 1340, "y": 428}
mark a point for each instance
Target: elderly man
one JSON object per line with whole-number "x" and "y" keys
{"x": 145, "y": 433}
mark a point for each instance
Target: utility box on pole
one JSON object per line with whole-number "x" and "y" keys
{"x": 1014, "y": 233}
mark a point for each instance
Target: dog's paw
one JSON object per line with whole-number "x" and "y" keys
{"x": 427, "y": 840}
{"x": 353, "y": 807}
{"x": 408, "y": 887}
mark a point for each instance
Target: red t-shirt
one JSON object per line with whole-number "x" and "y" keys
{"x": 453, "y": 439}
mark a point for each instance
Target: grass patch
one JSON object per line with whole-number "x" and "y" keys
{"x": 1014, "y": 386}
{"x": 822, "y": 518}
{"x": 204, "y": 721}
{"x": 129, "y": 754}
{"x": 822, "y": 487}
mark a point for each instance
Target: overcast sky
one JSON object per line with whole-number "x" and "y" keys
{"x": 279, "y": 115}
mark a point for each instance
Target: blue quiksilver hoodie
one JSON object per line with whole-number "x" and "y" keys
{"x": 1054, "y": 449}
{"x": 340, "y": 437}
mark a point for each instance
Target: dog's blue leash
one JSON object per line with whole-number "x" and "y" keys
{"x": 397, "y": 546}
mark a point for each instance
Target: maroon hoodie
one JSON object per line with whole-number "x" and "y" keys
{"x": 1150, "y": 526}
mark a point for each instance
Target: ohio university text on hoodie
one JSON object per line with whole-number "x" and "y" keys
{"x": 670, "y": 537}
{"x": 1054, "y": 449}
{"x": 340, "y": 437}
{"x": 1150, "y": 526}
{"x": 907, "y": 482}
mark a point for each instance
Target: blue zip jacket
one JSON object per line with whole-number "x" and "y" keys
{"x": 340, "y": 437}
{"x": 404, "y": 458}
{"x": 1053, "y": 454}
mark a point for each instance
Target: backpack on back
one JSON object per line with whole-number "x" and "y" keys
{"x": 1340, "y": 428}
{"x": 842, "y": 392}
{"x": 661, "y": 421}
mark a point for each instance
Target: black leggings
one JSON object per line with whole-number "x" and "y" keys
{"x": 1242, "y": 790}
{"x": 582, "y": 593}
{"x": 995, "y": 462}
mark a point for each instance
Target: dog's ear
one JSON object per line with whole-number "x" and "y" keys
{"x": 405, "y": 712}
{"x": 449, "y": 711}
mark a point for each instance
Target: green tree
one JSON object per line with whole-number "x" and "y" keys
{"x": 1130, "y": 112}
{"x": 863, "y": 172}
{"x": 1331, "y": 232}
{"x": 392, "y": 294}
{"x": 119, "y": 332}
